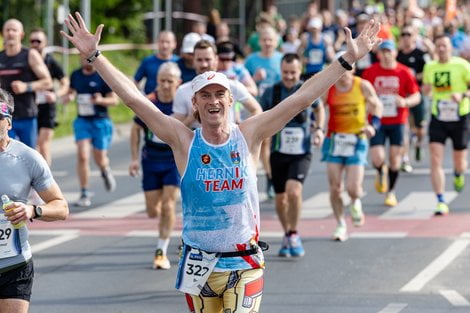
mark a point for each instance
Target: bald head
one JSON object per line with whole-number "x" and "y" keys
{"x": 13, "y": 22}
{"x": 13, "y": 33}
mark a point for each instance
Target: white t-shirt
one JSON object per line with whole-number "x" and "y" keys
{"x": 183, "y": 105}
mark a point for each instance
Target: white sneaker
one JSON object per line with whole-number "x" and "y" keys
{"x": 83, "y": 201}
{"x": 341, "y": 233}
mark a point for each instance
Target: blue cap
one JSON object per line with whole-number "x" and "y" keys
{"x": 387, "y": 44}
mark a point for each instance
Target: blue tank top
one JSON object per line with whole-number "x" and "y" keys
{"x": 316, "y": 55}
{"x": 220, "y": 200}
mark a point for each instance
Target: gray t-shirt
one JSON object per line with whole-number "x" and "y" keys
{"x": 21, "y": 168}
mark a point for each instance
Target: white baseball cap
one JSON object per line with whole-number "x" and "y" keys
{"x": 315, "y": 22}
{"x": 189, "y": 41}
{"x": 209, "y": 78}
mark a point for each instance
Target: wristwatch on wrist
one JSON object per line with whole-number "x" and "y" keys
{"x": 37, "y": 212}
{"x": 93, "y": 56}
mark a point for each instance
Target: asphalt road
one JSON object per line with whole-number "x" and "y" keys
{"x": 402, "y": 260}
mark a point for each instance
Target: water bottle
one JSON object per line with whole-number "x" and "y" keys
{"x": 6, "y": 201}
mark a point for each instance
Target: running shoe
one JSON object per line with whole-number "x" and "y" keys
{"x": 83, "y": 201}
{"x": 442, "y": 209}
{"x": 341, "y": 233}
{"x": 161, "y": 261}
{"x": 295, "y": 246}
{"x": 357, "y": 215}
{"x": 406, "y": 167}
{"x": 391, "y": 199}
{"x": 284, "y": 251}
{"x": 108, "y": 179}
{"x": 459, "y": 182}
{"x": 381, "y": 180}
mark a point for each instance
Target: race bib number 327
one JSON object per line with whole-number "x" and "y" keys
{"x": 195, "y": 269}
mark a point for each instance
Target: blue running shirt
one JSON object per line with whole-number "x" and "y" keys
{"x": 220, "y": 200}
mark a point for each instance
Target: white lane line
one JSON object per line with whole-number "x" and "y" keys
{"x": 317, "y": 206}
{"x": 455, "y": 298}
{"x": 62, "y": 236}
{"x": 393, "y": 307}
{"x": 465, "y": 235}
{"x": 116, "y": 209}
{"x": 436, "y": 266}
{"x": 416, "y": 171}
{"x": 374, "y": 235}
{"x": 416, "y": 205}
{"x": 177, "y": 234}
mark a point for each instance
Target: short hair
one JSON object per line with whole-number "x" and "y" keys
{"x": 290, "y": 57}
{"x": 170, "y": 67}
{"x": 7, "y": 98}
{"x": 205, "y": 44}
{"x": 440, "y": 36}
{"x": 38, "y": 30}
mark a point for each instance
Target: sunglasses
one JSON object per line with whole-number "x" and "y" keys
{"x": 2, "y": 117}
{"x": 406, "y": 34}
{"x": 35, "y": 41}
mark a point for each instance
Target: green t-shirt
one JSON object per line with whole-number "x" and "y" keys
{"x": 447, "y": 79}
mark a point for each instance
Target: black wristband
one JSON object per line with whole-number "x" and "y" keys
{"x": 319, "y": 128}
{"x": 344, "y": 63}
{"x": 93, "y": 56}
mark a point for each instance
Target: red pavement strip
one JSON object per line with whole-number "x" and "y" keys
{"x": 452, "y": 225}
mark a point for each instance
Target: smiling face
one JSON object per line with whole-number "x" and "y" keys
{"x": 212, "y": 104}
{"x": 290, "y": 73}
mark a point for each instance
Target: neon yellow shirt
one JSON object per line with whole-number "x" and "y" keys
{"x": 447, "y": 79}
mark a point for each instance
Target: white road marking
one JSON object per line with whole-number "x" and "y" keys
{"x": 116, "y": 209}
{"x": 62, "y": 236}
{"x": 455, "y": 298}
{"x": 393, "y": 308}
{"x": 374, "y": 235}
{"x": 416, "y": 171}
{"x": 177, "y": 234}
{"x": 318, "y": 206}
{"x": 416, "y": 205}
{"x": 436, "y": 266}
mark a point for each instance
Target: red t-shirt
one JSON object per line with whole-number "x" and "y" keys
{"x": 387, "y": 84}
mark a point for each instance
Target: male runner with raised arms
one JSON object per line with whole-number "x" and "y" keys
{"x": 222, "y": 263}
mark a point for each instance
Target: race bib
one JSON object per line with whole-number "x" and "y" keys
{"x": 41, "y": 97}
{"x": 194, "y": 270}
{"x": 315, "y": 56}
{"x": 8, "y": 242}
{"x": 85, "y": 104}
{"x": 448, "y": 111}
{"x": 344, "y": 145}
{"x": 389, "y": 105}
{"x": 292, "y": 139}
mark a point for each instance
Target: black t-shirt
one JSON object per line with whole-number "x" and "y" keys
{"x": 414, "y": 60}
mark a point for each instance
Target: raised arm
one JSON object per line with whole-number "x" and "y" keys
{"x": 165, "y": 127}
{"x": 269, "y": 122}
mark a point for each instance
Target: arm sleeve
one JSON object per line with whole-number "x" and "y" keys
{"x": 41, "y": 175}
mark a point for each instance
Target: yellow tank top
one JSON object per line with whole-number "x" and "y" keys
{"x": 347, "y": 110}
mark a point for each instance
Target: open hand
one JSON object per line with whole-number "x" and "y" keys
{"x": 82, "y": 39}
{"x": 363, "y": 43}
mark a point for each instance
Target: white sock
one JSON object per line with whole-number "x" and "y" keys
{"x": 163, "y": 244}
